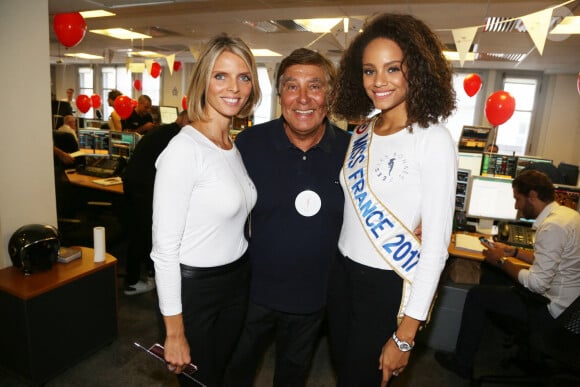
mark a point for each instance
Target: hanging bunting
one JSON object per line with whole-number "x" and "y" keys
{"x": 345, "y": 30}
{"x": 137, "y": 67}
{"x": 194, "y": 52}
{"x": 538, "y": 24}
{"x": 463, "y": 38}
{"x": 170, "y": 59}
{"x": 148, "y": 64}
{"x": 128, "y": 62}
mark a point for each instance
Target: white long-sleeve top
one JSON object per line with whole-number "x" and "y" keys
{"x": 555, "y": 272}
{"x": 202, "y": 197}
{"x": 414, "y": 176}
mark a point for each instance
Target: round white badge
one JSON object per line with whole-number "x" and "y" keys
{"x": 307, "y": 203}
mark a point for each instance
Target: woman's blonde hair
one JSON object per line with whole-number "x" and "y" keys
{"x": 202, "y": 72}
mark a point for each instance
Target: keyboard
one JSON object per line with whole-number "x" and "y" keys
{"x": 521, "y": 236}
{"x": 100, "y": 166}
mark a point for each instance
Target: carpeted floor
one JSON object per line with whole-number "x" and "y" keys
{"x": 122, "y": 364}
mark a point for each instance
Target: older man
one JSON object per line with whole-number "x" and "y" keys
{"x": 294, "y": 162}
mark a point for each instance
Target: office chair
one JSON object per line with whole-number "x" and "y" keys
{"x": 65, "y": 141}
{"x": 554, "y": 357}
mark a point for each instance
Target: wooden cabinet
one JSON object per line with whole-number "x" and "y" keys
{"x": 53, "y": 319}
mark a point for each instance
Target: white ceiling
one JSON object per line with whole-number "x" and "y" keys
{"x": 184, "y": 25}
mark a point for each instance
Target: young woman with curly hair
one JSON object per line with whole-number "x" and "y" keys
{"x": 399, "y": 174}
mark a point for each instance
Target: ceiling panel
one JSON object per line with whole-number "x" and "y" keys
{"x": 189, "y": 23}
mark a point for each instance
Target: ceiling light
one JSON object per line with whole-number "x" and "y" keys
{"x": 128, "y": 3}
{"x": 454, "y": 56}
{"x": 318, "y": 25}
{"x": 83, "y": 55}
{"x": 147, "y": 54}
{"x": 569, "y": 25}
{"x": 264, "y": 52}
{"x": 96, "y": 13}
{"x": 120, "y": 33}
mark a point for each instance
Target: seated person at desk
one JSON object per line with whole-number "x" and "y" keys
{"x": 69, "y": 126}
{"x": 140, "y": 120}
{"x": 61, "y": 156}
{"x": 138, "y": 181}
{"x": 554, "y": 274}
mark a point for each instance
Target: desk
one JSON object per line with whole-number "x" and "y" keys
{"x": 87, "y": 182}
{"x": 51, "y": 320}
{"x": 90, "y": 151}
{"x": 475, "y": 255}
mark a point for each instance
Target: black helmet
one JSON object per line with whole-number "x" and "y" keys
{"x": 34, "y": 247}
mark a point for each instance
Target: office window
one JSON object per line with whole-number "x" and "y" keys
{"x": 151, "y": 87}
{"x": 466, "y": 106}
{"x": 512, "y": 136}
{"x": 86, "y": 88}
{"x": 116, "y": 77}
{"x": 263, "y": 111}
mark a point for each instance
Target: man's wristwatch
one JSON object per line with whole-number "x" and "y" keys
{"x": 403, "y": 345}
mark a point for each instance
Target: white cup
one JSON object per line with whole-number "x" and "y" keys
{"x": 99, "y": 244}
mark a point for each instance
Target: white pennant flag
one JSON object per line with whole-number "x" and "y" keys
{"x": 194, "y": 52}
{"x": 463, "y": 38}
{"x": 537, "y": 24}
{"x": 148, "y": 64}
{"x": 128, "y": 62}
{"x": 170, "y": 59}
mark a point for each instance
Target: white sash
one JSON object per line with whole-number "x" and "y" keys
{"x": 394, "y": 242}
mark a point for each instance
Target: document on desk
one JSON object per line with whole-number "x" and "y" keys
{"x": 468, "y": 242}
{"x": 78, "y": 153}
{"x": 109, "y": 181}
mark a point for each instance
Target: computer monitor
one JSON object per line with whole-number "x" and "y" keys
{"x": 168, "y": 114}
{"x": 498, "y": 165}
{"x": 122, "y": 143}
{"x": 526, "y": 161}
{"x": 470, "y": 161}
{"x": 490, "y": 199}
{"x": 474, "y": 138}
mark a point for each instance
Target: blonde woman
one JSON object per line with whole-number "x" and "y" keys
{"x": 202, "y": 197}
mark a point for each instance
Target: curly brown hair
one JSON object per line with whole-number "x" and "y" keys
{"x": 431, "y": 96}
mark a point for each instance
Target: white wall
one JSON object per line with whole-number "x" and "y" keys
{"x": 26, "y": 176}
{"x": 559, "y": 137}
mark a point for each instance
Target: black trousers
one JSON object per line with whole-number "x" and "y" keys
{"x": 295, "y": 335}
{"x": 214, "y": 306}
{"x": 362, "y": 315}
{"x": 139, "y": 222}
{"x": 511, "y": 302}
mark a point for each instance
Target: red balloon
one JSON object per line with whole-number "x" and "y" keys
{"x": 96, "y": 100}
{"x": 176, "y": 65}
{"x": 499, "y": 108}
{"x": 184, "y": 102}
{"x": 123, "y": 106}
{"x": 70, "y": 28}
{"x": 83, "y": 103}
{"x": 134, "y": 102}
{"x": 155, "y": 69}
{"x": 137, "y": 84}
{"x": 472, "y": 84}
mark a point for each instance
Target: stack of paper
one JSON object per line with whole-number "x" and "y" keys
{"x": 109, "y": 181}
{"x": 468, "y": 242}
